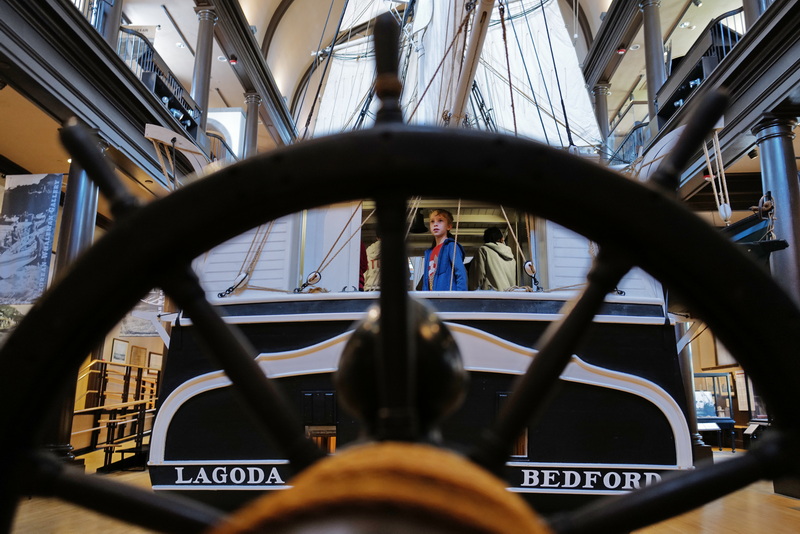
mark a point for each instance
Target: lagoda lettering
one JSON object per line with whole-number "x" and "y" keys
{"x": 587, "y": 480}
{"x": 228, "y": 475}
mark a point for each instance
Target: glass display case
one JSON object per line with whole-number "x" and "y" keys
{"x": 712, "y": 396}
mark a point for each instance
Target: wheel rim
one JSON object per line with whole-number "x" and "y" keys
{"x": 409, "y": 161}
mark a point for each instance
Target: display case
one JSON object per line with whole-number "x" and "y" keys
{"x": 712, "y": 396}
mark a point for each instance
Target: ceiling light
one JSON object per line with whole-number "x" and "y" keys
{"x": 686, "y": 25}
{"x": 222, "y": 58}
{"x": 698, "y": 3}
{"x": 180, "y": 45}
{"x": 635, "y": 47}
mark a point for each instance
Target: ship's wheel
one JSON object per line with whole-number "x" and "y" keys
{"x": 439, "y": 491}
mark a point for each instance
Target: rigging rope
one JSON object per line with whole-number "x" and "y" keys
{"x": 316, "y": 60}
{"x": 255, "y": 257}
{"x": 249, "y": 263}
{"x": 362, "y": 64}
{"x": 721, "y": 168}
{"x": 527, "y": 75}
{"x": 519, "y": 249}
{"x": 455, "y": 246}
{"x": 541, "y": 74}
{"x": 721, "y": 198}
{"x": 322, "y": 267}
{"x": 520, "y": 93}
{"x": 327, "y": 63}
{"x": 574, "y": 22}
{"x": 439, "y": 67}
{"x": 508, "y": 66}
{"x": 323, "y": 263}
{"x": 513, "y": 234}
{"x": 413, "y": 209}
{"x": 555, "y": 71}
{"x": 316, "y": 275}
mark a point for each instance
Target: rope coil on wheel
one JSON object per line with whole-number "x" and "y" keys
{"x": 400, "y": 483}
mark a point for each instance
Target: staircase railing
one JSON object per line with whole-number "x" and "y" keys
{"x": 120, "y": 402}
{"x": 628, "y": 149}
{"x": 220, "y": 149}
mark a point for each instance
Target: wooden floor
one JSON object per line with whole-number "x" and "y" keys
{"x": 755, "y": 509}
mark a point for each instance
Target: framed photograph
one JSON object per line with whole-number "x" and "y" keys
{"x": 119, "y": 351}
{"x": 138, "y": 356}
{"x": 154, "y": 361}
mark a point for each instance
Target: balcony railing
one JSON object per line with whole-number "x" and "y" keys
{"x": 140, "y": 56}
{"x": 689, "y": 71}
{"x": 91, "y": 10}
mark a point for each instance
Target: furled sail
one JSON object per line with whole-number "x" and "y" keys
{"x": 524, "y": 81}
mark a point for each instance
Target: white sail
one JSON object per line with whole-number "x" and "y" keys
{"x": 527, "y": 60}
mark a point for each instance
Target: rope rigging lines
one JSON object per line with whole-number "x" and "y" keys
{"x": 721, "y": 197}
{"x": 249, "y": 263}
{"x": 440, "y": 32}
{"x": 555, "y": 71}
{"x": 508, "y": 65}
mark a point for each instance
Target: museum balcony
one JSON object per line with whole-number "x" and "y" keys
{"x": 707, "y": 47}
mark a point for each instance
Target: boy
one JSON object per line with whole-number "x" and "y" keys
{"x": 445, "y": 259}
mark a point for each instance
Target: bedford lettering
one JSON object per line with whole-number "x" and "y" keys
{"x": 603, "y": 480}
{"x": 228, "y": 475}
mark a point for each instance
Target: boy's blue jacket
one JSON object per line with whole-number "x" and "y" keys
{"x": 441, "y": 279}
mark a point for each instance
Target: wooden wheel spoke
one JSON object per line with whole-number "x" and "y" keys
{"x": 541, "y": 381}
{"x": 396, "y": 368}
{"x": 165, "y": 513}
{"x": 236, "y": 355}
{"x": 677, "y": 494}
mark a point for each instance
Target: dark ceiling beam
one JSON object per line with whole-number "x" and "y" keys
{"x": 9, "y": 167}
{"x": 620, "y": 25}
{"x": 235, "y": 38}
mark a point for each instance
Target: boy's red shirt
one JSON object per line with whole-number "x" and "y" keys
{"x": 433, "y": 262}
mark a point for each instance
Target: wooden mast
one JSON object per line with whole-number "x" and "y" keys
{"x": 480, "y": 25}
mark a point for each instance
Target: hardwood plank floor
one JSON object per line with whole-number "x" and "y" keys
{"x": 753, "y": 510}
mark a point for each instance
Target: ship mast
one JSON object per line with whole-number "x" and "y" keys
{"x": 480, "y": 25}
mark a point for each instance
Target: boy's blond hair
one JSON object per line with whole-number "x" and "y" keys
{"x": 444, "y": 213}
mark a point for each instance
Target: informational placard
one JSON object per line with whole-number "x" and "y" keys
{"x": 741, "y": 391}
